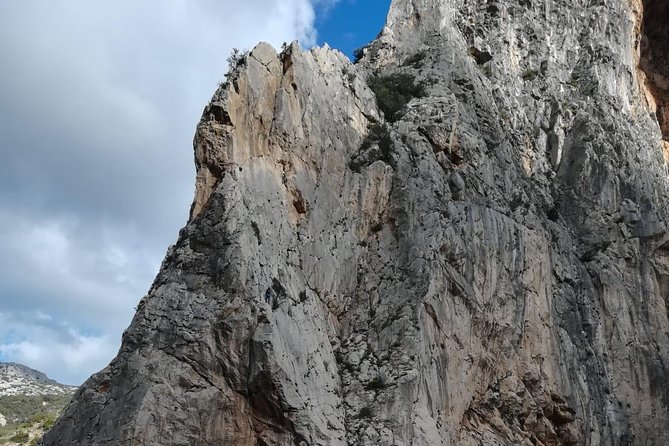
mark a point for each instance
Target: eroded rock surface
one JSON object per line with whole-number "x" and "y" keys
{"x": 496, "y": 275}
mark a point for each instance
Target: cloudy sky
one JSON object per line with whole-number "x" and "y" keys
{"x": 98, "y": 106}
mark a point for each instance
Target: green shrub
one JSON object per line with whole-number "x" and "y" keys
{"x": 20, "y": 437}
{"x": 377, "y": 227}
{"x": 365, "y": 412}
{"x": 529, "y": 74}
{"x": 394, "y": 91}
{"x": 377, "y": 145}
{"x": 49, "y": 421}
{"x": 235, "y": 60}
{"x": 378, "y": 134}
{"x": 375, "y": 384}
{"x": 22, "y": 408}
{"x": 416, "y": 59}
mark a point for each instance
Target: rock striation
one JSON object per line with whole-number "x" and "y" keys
{"x": 492, "y": 270}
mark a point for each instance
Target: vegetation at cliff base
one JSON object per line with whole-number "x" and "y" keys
{"x": 29, "y": 417}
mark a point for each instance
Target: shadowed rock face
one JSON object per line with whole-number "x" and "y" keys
{"x": 496, "y": 274}
{"x": 655, "y": 57}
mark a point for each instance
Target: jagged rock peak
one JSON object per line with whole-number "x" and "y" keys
{"x": 272, "y": 100}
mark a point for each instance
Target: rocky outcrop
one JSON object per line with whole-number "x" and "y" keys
{"x": 489, "y": 268}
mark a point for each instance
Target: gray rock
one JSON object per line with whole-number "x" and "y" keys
{"x": 513, "y": 295}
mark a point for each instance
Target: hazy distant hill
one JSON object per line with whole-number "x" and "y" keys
{"x": 17, "y": 379}
{"x": 29, "y": 403}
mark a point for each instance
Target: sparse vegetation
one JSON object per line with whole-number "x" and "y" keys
{"x": 529, "y": 74}
{"x": 416, "y": 59}
{"x": 375, "y": 384}
{"x": 29, "y": 416}
{"x": 394, "y": 91}
{"x": 365, "y": 412}
{"x": 20, "y": 408}
{"x": 358, "y": 54}
{"x": 20, "y": 437}
{"x": 236, "y": 59}
{"x": 350, "y": 77}
{"x": 377, "y": 145}
{"x": 378, "y": 134}
{"x": 377, "y": 227}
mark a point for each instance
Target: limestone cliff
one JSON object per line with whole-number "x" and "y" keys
{"x": 488, "y": 266}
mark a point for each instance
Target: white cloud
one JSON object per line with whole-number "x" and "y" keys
{"x": 52, "y": 267}
{"x": 98, "y": 105}
{"x": 44, "y": 349}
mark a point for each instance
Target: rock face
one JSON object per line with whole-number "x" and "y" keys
{"x": 494, "y": 270}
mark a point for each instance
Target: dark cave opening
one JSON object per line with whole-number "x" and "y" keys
{"x": 654, "y": 57}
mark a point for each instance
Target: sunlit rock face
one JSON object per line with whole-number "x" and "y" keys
{"x": 494, "y": 270}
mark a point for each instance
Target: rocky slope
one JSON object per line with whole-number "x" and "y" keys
{"x": 489, "y": 268}
{"x": 29, "y": 403}
{"x": 17, "y": 379}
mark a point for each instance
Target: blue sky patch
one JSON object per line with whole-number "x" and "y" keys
{"x": 351, "y": 24}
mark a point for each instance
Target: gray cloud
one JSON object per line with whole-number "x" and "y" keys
{"x": 98, "y": 104}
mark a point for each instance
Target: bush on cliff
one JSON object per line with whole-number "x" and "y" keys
{"x": 394, "y": 91}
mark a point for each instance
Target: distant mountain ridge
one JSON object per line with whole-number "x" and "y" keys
{"x": 29, "y": 403}
{"x": 18, "y": 379}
